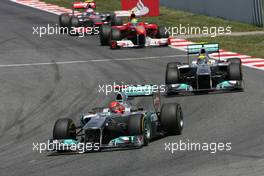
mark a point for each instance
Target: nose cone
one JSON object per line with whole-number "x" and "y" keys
{"x": 140, "y": 30}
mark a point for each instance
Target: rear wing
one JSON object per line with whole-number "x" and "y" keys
{"x": 84, "y": 5}
{"x": 209, "y": 48}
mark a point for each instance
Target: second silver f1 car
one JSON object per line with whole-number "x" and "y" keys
{"x": 204, "y": 74}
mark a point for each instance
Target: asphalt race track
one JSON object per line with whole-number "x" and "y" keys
{"x": 33, "y": 96}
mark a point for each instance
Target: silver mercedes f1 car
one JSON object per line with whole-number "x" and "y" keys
{"x": 119, "y": 126}
{"x": 204, "y": 74}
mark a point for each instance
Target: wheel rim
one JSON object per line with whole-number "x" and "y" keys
{"x": 146, "y": 130}
{"x": 180, "y": 118}
{"x": 72, "y": 131}
{"x": 181, "y": 123}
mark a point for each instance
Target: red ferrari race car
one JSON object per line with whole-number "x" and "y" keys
{"x": 88, "y": 20}
{"x": 133, "y": 34}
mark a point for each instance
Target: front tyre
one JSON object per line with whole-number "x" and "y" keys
{"x": 64, "y": 129}
{"x": 138, "y": 125}
{"x": 115, "y": 35}
{"x": 171, "y": 118}
{"x": 172, "y": 73}
{"x": 234, "y": 72}
{"x": 105, "y": 32}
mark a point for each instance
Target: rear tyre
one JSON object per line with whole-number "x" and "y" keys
{"x": 171, "y": 118}
{"x": 64, "y": 129}
{"x": 138, "y": 125}
{"x": 105, "y": 33}
{"x": 64, "y": 20}
{"x": 234, "y": 72}
{"x": 74, "y": 22}
{"x": 116, "y": 21}
{"x": 234, "y": 60}
{"x": 172, "y": 74}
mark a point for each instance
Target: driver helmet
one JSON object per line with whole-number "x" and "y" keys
{"x": 134, "y": 21}
{"x": 89, "y": 9}
{"x": 132, "y": 16}
{"x": 116, "y": 107}
{"x": 202, "y": 54}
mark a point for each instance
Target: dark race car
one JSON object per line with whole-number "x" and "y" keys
{"x": 88, "y": 21}
{"x": 204, "y": 74}
{"x": 131, "y": 34}
{"x": 121, "y": 125}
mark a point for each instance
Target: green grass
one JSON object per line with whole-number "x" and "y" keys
{"x": 249, "y": 45}
{"x": 170, "y": 17}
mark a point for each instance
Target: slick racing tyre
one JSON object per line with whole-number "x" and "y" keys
{"x": 64, "y": 20}
{"x": 234, "y": 72}
{"x": 115, "y": 35}
{"x": 173, "y": 64}
{"x": 162, "y": 33}
{"x": 116, "y": 21}
{"x": 138, "y": 125}
{"x": 74, "y": 22}
{"x": 105, "y": 32}
{"x": 171, "y": 118}
{"x": 172, "y": 73}
{"x": 64, "y": 129}
{"x": 234, "y": 60}
{"x": 64, "y": 23}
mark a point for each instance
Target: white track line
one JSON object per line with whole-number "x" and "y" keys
{"x": 87, "y": 61}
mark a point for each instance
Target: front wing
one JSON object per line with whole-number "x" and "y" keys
{"x": 70, "y": 145}
{"x": 150, "y": 42}
{"x": 224, "y": 86}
